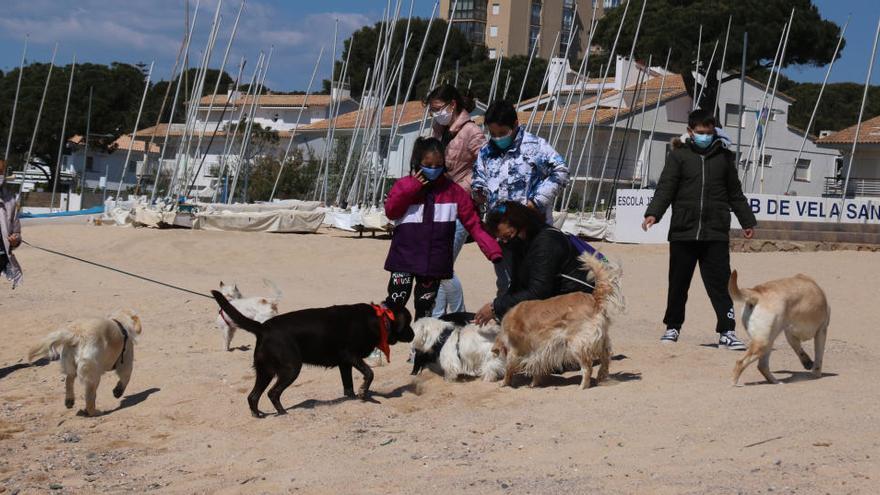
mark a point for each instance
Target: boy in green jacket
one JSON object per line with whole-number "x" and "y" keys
{"x": 701, "y": 183}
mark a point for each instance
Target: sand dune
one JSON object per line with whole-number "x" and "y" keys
{"x": 667, "y": 421}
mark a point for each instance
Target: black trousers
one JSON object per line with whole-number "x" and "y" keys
{"x": 714, "y": 260}
{"x": 3, "y": 261}
{"x": 400, "y": 286}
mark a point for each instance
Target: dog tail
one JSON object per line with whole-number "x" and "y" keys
{"x": 607, "y": 291}
{"x": 748, "y": 295}
{"x": 52, "y": 345}
{"x": 241, "y": 320}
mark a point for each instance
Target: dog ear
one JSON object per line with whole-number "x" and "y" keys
{"x": 402, "y": 325}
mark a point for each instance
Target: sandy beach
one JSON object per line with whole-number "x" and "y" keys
{"x": 667, "y": 422}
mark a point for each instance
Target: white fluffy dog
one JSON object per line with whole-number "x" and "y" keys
{"x": 256, "y": 308}
{"x": 454, "y": 351}
{"x": 88, "y": 349}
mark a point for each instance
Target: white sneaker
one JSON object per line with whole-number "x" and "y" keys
{"x": 728, "y": 340}
{"x": 671, "y": 336}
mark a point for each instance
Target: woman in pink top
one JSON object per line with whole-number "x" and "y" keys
{"x": 463, "y": 140}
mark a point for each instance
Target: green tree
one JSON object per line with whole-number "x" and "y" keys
{"x": 676, "y": 24}
{"x": 297, "y": 180}
{"x": 363, "y": 51}
{"x": 479, "y": 75}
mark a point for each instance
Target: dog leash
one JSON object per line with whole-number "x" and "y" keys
{"x": 117, "y": 270}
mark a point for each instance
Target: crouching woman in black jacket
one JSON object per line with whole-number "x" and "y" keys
{"x": 542, "y": 261}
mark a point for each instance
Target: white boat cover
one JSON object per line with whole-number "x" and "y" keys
{"x": 287, "y": 220}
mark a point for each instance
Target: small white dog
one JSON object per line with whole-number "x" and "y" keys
{"x": 453, "y": 351}
{"x": 88, "y": 349}
{"x": 256, "y": 308}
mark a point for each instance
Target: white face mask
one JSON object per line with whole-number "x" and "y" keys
{"x": 443, "y": 117}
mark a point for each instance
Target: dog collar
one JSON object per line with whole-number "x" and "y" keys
{"x": 384, "y": 314}
{"x": 122, "y": 329}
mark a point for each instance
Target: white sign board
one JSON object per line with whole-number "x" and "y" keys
{"x": 632, "y": 203}
{"x": 630, "y": 212}
{"x": 103, "y": 183}
{"x": 806, "y": 209}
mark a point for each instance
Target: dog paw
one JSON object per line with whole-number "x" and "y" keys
{"x": 808, "y": 364}
{"x": 118, "y": 391}
{"x": 817, "y": 373}
{"x": 363, "y": 394}
{"x": 349, "y": 392}
{"x": 281, "y": 412}
{"x": 68, "y": 403}
{"x": 258, "y": 414}
{"x": 86, "y": 414}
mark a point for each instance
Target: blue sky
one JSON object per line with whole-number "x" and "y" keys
{"x": 104, "y": 31}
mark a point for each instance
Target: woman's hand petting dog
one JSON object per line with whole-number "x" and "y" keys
{"x": 485, "y": 315}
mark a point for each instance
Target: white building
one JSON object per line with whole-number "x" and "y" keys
{"x": 103, "y": 166}
{"x": 864, "y": 180}
{"x": 276, "y": 112}
{"x": 208, "y": 138}
{"x": 635, "y": 158}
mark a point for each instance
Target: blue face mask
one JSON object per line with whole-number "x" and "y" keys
{"x": 703, "y": 141}
{"x": 432, "y": 173}
{"x": 503, "y": 142}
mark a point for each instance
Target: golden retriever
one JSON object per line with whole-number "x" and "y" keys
{"x": 795, "y": 306}
{"x": 88, "y": 349}
{"x": 540, "y": 337}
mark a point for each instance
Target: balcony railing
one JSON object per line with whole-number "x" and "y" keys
{"x": 857, "y": 187}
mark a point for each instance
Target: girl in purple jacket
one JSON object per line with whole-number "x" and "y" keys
{"x": 424, "y": 207}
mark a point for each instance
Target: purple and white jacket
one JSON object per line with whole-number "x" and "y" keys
{"x": 425, "y": 227}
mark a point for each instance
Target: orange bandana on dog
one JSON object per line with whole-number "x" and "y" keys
{"x": 382, "y": 313}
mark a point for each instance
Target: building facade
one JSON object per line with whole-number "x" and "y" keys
{"x": 514, "y": 27}
{"x": 864, "y": 177}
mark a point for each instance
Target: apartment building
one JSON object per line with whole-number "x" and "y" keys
{"x": 514, "y": 27}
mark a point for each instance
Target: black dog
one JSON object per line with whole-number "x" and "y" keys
{"x": 336, "y": 336}
{"x": 421, "y": 360}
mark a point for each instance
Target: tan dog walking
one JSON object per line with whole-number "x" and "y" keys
{"x": 795, "y": 306}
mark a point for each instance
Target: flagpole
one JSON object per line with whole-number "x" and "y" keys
{"x": 15, "y": 101}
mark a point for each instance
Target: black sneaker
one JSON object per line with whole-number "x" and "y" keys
{"x": 671, "y": 336}
{"x": 728, "y": 340}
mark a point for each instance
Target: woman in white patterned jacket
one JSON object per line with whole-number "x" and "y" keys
{"x": 516, "y": 165}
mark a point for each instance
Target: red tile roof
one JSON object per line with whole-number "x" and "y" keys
{"x": 868, "y": 134}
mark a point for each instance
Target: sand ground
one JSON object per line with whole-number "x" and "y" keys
{"x": 668, "y": 420}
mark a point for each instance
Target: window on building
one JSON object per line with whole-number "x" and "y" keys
{"x": 493, "y": 32}
{"x": 474, "y": 31}
{"x": 768, "y": 161}
{"x": 496, "y": 9}
{"x": 802, "y": 170}
{"x": 470, "y": 9}
{"x": 610, "y": 4}
{"x": 733, "y": 116}
{"x": 536, "y": 13}
{"x": 90, "y": 163}
{"x": 534, "y": 34}
{"x": 492, "y": 53}
{"x": 567, "y": 26}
